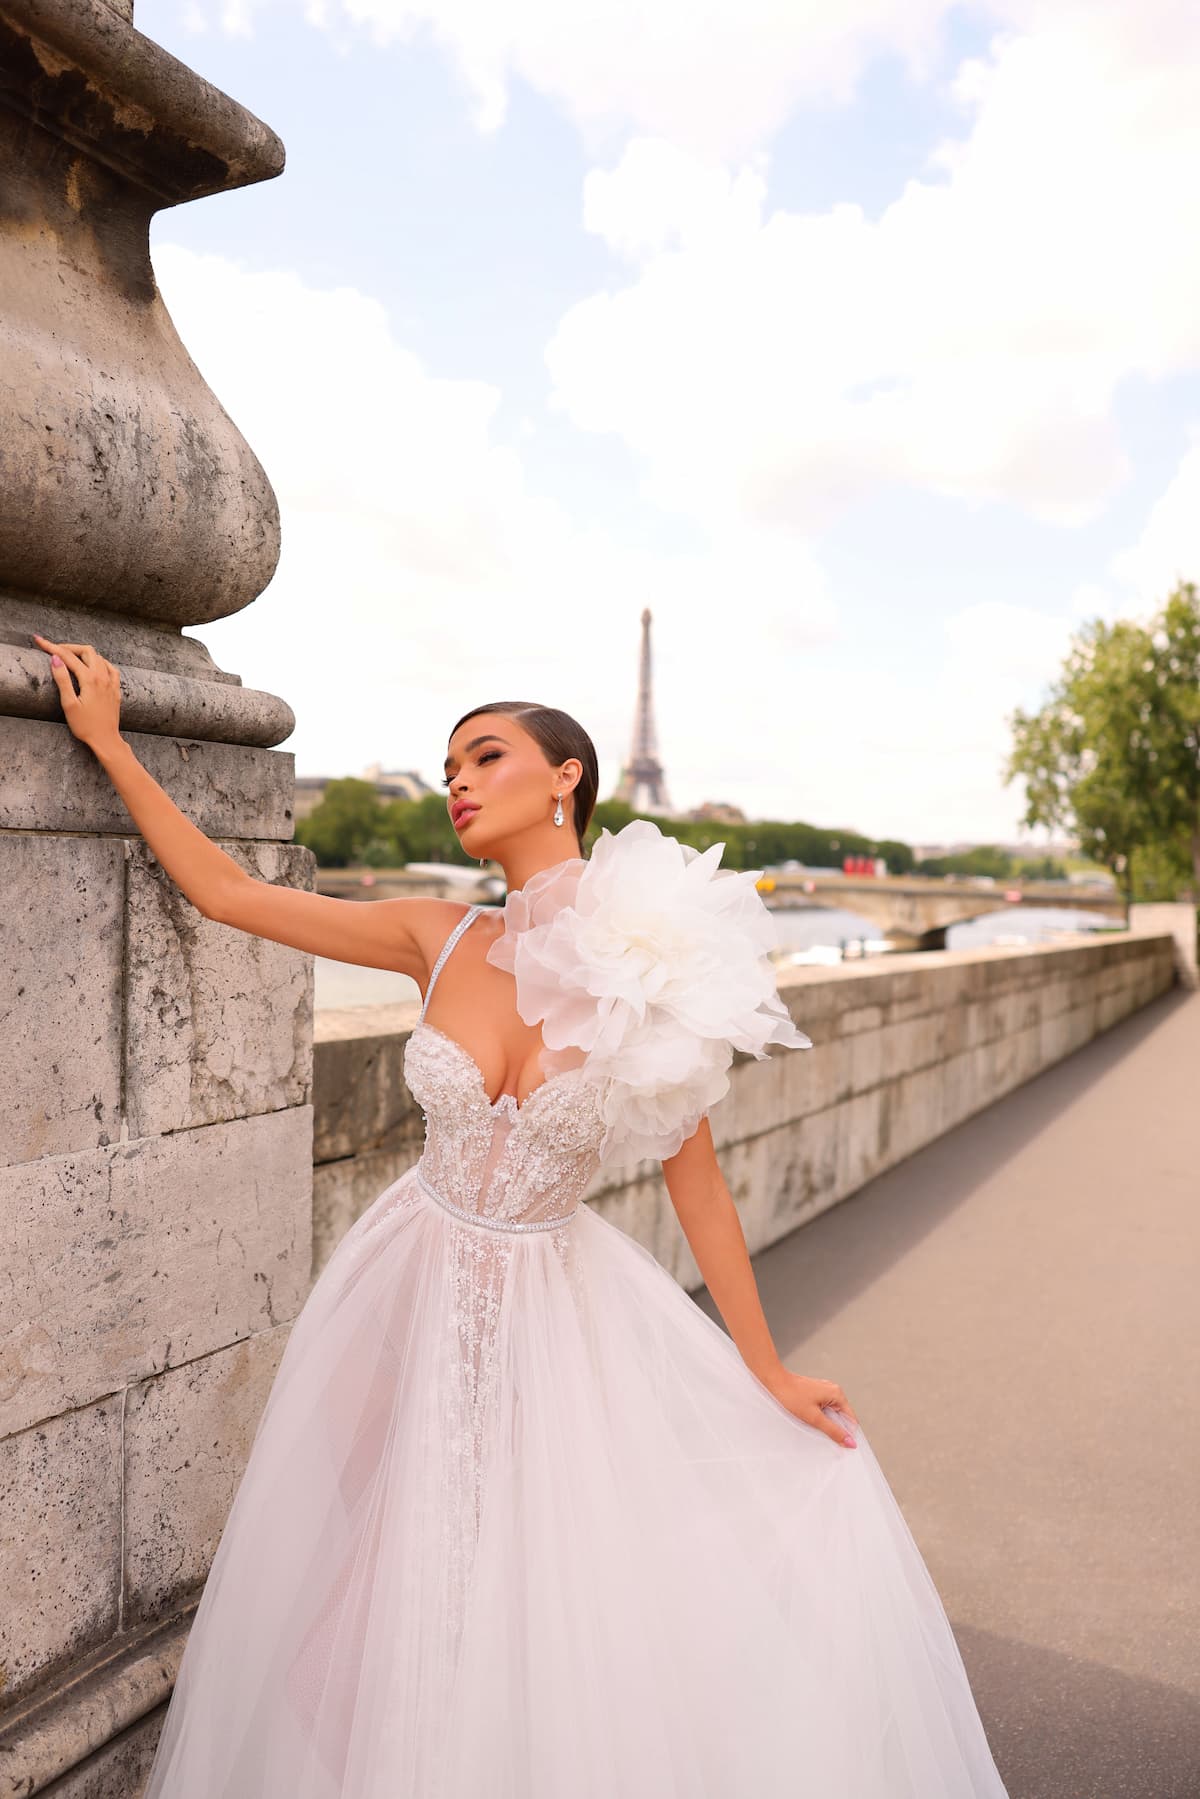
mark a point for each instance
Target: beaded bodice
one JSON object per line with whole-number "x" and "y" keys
{"x": 503, "y": 1161}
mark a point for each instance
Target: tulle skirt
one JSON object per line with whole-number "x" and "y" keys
{"x": 518, "y": 1523}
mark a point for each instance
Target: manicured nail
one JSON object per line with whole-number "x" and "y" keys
{"x": 56, "y": 661}
{"x": 850, "y": 1443}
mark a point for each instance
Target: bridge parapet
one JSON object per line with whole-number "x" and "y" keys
{"x": 904, "y": 1048}
{"x": 916, "y": 911}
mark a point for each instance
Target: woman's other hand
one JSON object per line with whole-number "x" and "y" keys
{"x": 812, "y": 1401}
{"x": 93, "y": 713}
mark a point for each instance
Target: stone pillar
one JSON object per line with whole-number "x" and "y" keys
{"x": 155, "y": 1067}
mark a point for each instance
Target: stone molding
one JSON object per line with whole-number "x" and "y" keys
{"x": 141, "y": 112}
{"x": 115, "y": 1687}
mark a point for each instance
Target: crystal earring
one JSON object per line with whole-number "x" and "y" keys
{"x": 558, "y": 811}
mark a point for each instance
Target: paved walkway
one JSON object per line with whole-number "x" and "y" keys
{"x": 1014, "y": 1313}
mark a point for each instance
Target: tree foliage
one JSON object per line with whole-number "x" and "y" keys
{"x": 1114, "y": 753}
{"x": 352, "y": 825}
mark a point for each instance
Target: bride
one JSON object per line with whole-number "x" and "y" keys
{"x": 520, "y": 1521}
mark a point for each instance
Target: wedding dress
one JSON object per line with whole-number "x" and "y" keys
{"x": 517, "y": 1521}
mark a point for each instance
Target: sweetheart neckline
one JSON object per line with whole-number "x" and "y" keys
{"x": 493, "y": 1105}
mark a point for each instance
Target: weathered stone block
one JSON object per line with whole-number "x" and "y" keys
{"x": 188, "y": 1434}
{"x": 915, "y": 1112}
{"x": 1180, "y": 920}
{"x": 859, "y": 1152}
{"x": 149, "y": 1254}
{"x": 119, "y": 1770}
{"x": 217, "y": 1022}
{"x": 866, "y": 1059}
{"x": 829, "y": 1068}
{"x": 860, "y": 1018}
{"x": 60, "y": 1535}
{"x": 61, "y": 902}
{"x": 49, "y": 781}
{"x": 358, "y": 1079}
{"x": 958, "y": 1100}
{"x": 342, "y": 1192}
{"x": 800, "y": 1173}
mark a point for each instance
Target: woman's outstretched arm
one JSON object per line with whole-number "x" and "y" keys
{"x": 705, "y": 1208}
{"x": 394, "y": 934}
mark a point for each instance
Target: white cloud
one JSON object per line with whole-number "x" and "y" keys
{"x": 970, "y": 342}
{"x": 717, "y": 78}
{"x": 766, "y": 370}
{"x": 998, "y": 644}
{"x": 1168, "y": 550}
{"x": 422, "y": 573}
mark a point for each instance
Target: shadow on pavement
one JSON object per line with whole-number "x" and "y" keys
{"x": 1061, "y": 1728}
{"x": 818, "y": 1267}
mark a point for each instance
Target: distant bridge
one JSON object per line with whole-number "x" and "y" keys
{"x": 916, "y": 911}
{"x": 911, "y": 911}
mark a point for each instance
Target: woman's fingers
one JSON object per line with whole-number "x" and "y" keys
{"x": 84, "y": 652}
{"x": 843, "y": 1404}
{"x": 70, "y": 655}
{"x": 65, "y": 685}
{"x": 832, "y": 1427}
{"x": 93, "y": 709}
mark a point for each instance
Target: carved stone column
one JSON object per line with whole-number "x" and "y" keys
{"x": 155, "y": 1067}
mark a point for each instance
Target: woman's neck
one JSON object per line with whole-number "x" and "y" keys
{"x": 521, "y": 865}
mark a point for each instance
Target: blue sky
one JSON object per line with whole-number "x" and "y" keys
{"x": 530, "y": 335}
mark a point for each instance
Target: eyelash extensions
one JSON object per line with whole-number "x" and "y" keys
{"x": 488, "y": 755}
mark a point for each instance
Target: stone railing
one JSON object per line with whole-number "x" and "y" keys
{"x": 904, "y": 1049}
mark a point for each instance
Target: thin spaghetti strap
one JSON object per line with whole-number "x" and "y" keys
{"x": 451, "y": 940}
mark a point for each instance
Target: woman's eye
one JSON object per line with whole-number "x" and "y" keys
{"x": 488, "y": 756}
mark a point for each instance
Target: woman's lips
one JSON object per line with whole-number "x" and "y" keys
{"x": 462, "y": 815}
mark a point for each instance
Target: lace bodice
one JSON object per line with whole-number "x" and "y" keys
{"x": 502, "y": 1161}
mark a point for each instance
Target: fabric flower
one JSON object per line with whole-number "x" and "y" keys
{"x": 651, "y": 960}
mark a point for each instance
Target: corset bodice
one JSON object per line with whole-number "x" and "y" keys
{"x": 501, "y": 1161}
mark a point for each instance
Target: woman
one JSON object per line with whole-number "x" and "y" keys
{"x": 520, "y": 1521}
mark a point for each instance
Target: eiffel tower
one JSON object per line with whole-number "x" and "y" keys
{"x": 642, "y": 784}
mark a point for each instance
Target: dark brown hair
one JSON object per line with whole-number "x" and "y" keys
{"x": 559, "y": 737}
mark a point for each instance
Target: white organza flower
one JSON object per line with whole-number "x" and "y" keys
{"x": 653, "y": 961}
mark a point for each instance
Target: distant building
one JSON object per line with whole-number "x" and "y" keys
{"x": 396, "y": 783}
{"x": 717, "y": 812}
{"x": 390, "y": 784}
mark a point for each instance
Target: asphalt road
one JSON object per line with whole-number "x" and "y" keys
{"x": 1014, "y": 1313}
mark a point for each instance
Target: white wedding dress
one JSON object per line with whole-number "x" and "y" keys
{"x": 518, "y": 1522}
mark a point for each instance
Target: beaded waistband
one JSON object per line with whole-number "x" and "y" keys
{"x": 492, "y": 1224}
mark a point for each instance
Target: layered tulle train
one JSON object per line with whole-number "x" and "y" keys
{"x": 596, "y": 1561}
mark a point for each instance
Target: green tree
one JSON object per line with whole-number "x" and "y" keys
{"x": 348, "y": 817}
{"x": 1114, "y": 753}
{"x": 983, "y": 859}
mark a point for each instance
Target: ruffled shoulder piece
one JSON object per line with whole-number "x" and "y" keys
{"x": 646, "y": 965}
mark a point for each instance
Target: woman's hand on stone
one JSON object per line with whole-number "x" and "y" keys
{"x": 812, "y": 1401}
{"x": 94, "y": 712}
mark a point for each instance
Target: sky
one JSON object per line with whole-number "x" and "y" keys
{"x": 860, "y": 343}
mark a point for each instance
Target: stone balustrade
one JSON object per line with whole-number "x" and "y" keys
{"x": 904, "y": 1048}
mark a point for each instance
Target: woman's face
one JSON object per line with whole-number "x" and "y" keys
{"x": 501, "y": 785}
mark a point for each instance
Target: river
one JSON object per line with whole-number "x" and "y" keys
{"x": 804, "y": 928}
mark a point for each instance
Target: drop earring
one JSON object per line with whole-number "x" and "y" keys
{"x": 558, "y": 811}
